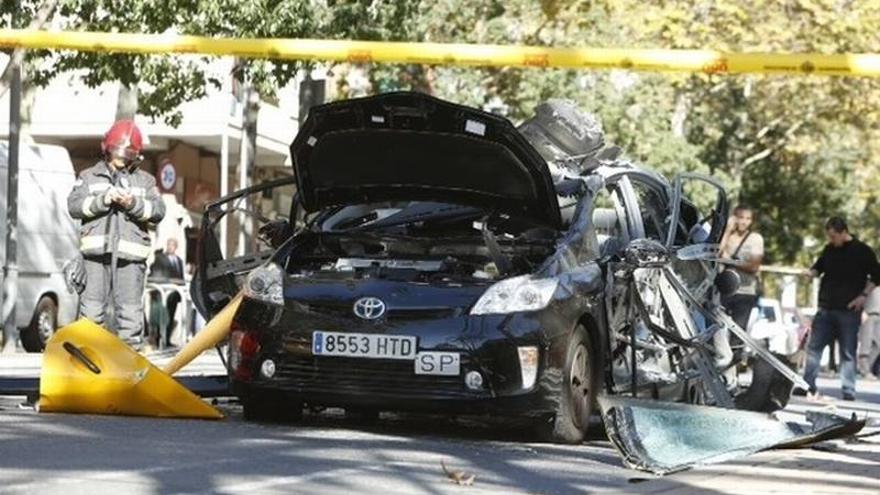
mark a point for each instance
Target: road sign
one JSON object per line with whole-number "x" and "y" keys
{"x": 167, "y": 176}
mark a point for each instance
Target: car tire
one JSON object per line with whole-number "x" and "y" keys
{"x": 271, "y": 407}
{"x": 769, "y": 390}
{"x": 577, "y": 394}
{"x": 42, "y": 325}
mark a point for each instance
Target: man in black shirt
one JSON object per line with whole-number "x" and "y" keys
{"x": 849, "y": 271}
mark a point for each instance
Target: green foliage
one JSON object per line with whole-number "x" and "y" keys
{"x": 796, "y": 148}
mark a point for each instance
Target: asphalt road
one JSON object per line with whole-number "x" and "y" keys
{"x": 69, "y": 454}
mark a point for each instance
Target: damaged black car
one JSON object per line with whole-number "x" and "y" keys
{"x": 433, "y": 257}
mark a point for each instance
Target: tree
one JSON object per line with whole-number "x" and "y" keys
{"x": 801, "y": 146}
{"x": 167, "y": 81}
{"x": 796, "y": 148}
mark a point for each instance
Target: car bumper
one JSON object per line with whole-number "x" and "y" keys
{"x": 487, "y": 344}
{"x": 532, "y": 404}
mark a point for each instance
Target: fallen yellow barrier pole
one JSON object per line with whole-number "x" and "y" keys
{"x": 209, "y": 336}
{"x": 87, "y": 369}
{"x": 707, "y": 61}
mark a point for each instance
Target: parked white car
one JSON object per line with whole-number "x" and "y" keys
{"x": 781, "y": 329}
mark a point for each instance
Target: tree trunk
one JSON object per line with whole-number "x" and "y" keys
{"x": 43, "y": 14}
{"x": 127, "y": 102}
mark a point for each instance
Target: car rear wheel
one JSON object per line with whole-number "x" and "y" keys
{"x": 271, "y": 407}
{"x": 577, "y": 394}
{"x": 42, "y": 326}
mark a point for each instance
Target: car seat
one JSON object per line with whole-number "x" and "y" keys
{"x": 607, "y": 225}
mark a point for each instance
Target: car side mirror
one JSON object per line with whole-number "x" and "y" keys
{"x": 727, "y": 282}
{"x": 646, "y": 253}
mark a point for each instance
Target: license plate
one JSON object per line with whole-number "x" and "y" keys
{"x": 438, "y": 363}
{"x": 363, "y": 345}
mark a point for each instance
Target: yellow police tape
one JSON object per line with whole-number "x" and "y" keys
{"x": 706, "y": 61}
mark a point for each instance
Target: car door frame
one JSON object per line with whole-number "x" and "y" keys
{"x": 624, "y": 179}
{"x": 720, "y": 211}
{"x": 212, "y": 265}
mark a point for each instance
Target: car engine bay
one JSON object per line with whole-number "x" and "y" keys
{"x": 453, "y": 244}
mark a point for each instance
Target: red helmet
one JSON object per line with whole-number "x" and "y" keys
{"x": 123, "y": 140}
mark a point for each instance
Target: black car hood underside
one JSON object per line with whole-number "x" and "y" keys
{"x": 411, "y": 146}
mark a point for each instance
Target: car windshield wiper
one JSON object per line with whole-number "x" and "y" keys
{"x": 422, "y": 212}
{"x": 356, "y": 222}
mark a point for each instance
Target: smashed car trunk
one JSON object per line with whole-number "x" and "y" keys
{"x": 668, "y": 329}
{"x": 663, "y": 437}
{"x": 666, "y": 326}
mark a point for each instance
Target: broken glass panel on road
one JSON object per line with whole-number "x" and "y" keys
{"x": 664, "y": 437}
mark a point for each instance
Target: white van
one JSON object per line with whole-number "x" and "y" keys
{"x": 47, "y": 238}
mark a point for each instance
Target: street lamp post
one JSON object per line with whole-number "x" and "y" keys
{"x": 10, "y": 281}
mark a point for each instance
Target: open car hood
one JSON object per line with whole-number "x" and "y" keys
{"x": 411, "y": 146}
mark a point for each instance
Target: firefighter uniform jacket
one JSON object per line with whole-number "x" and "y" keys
{"x": 107, "y": 228}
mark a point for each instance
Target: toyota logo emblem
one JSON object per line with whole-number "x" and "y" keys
{"x": 369, "y": 308}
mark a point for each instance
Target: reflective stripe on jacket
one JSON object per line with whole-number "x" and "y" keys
{"x": 106, "y": 228}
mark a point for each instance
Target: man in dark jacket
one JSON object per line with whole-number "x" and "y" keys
{"x": 116, "y": 203}
{"x": 167, "y": 267}
{"x": 167, "y": 264}
{"x": 849, "y": 271}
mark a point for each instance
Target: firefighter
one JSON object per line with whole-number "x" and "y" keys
{"x": 116, "y": 203}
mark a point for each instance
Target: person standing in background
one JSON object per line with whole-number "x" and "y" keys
{"x": 869, "y": 337}
{"x": 746, "y": 247}
{"x": 167, "y": 267}
{"x": 167, "y": 264}
{"x": 849, "y": 271}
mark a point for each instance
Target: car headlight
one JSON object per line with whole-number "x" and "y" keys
{"x": 521, "y": 293}
{"x": 266, "y": 284}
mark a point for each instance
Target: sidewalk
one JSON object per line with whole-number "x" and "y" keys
{"x": 29, "y": 365}
{"x": 849, "y": 467}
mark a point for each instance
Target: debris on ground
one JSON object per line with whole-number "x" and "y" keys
{"x": 458, "y": 476}
{"x": 664, "y": 437}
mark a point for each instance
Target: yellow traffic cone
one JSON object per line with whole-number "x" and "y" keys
{"x": 87, "y": 369}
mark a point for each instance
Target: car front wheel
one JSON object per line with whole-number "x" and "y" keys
{"x": 577, "y": 393}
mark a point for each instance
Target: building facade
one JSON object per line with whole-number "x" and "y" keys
{"x": 194, "y": 162}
